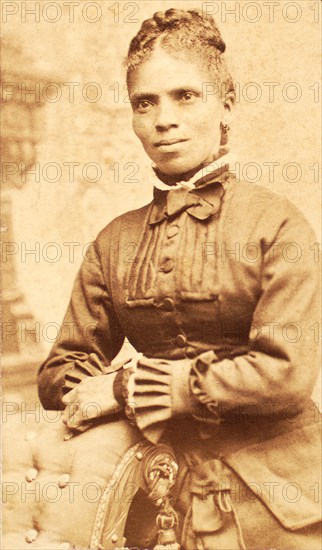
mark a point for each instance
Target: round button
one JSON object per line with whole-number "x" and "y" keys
{"x": 167, "y": 266}
{"x": 172, "y": 231}
{"x": 191, "y": 352}
{"x": 168, "y": 304}
{"x": 31, "y": 535}
{"x": 63, "y": 480}
{"x": 181, "y": 340}
{"x": 31, "y": 475}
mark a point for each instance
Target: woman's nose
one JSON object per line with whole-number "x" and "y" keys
{"x": 167, "y": 115}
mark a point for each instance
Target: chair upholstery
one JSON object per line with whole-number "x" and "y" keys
{"x": 79, "y": 493}
{"x": 67, "y": 493}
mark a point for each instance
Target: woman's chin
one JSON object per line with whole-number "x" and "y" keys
{"x": 177, "y": 167}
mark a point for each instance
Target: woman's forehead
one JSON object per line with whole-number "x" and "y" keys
{"x": 164, "y": 71}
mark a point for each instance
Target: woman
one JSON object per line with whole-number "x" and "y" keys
{"x": 204, "y": 283}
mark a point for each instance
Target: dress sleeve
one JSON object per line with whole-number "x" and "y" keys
{"x": 275, "y": 370}
{"x": 279, "y": 369}
{"x": 90, "y": 335}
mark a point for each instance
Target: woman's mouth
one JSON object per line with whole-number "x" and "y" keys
{"x": 169, "y": 145}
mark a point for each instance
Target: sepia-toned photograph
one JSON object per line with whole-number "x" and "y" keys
{"x": 161, "y": 268}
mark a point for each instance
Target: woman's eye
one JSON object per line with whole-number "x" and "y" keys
{"x": 188, "y": 97}
{"x": 143, "y": 105}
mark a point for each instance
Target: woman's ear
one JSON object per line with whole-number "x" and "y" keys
{"x": 230, "y": 100}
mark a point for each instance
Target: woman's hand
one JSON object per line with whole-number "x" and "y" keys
{"x": 90, "y": 399}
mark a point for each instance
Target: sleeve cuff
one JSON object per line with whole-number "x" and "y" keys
{"x": 118, "y": 388}
{"x": 82, "y": 369}
{"x": 183, "y": 400}
{"x": 161, "y": 391}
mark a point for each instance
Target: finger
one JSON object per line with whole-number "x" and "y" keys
{"x": 75, "y": 423}
{"x": 77, "y": 419}
{"x": 69, "y": 397}
{"x": 69, "y": 435}
{"x": 76, "y": 431}
{"x": 70, "y": 412}
{"x": 132, "y": 363}
{"x": 67, "y": 413}
{"x": 116, "y": 366}
{"x": 83, "y": 427}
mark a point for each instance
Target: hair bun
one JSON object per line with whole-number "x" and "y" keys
{"x": 169, "y": 19}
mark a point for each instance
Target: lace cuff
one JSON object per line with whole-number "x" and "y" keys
{"x": 160, "y": 391}
{"x": 88, "y": 365}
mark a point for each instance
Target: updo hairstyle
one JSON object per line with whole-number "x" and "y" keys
{"x": 179, "y": 32}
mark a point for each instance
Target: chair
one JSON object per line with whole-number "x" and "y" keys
{"x": 62, "y": 493}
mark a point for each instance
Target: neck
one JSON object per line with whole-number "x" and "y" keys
{"x": 172, "y": 179}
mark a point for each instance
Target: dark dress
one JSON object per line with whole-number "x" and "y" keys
{"x": 217, "y": 287}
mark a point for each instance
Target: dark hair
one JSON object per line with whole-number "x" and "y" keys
{"x": 179, "y": 30}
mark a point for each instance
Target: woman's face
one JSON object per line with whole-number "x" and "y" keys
{"x": 175, "y": 118}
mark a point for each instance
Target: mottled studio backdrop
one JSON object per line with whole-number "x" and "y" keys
{"x": 64, "y": 60}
